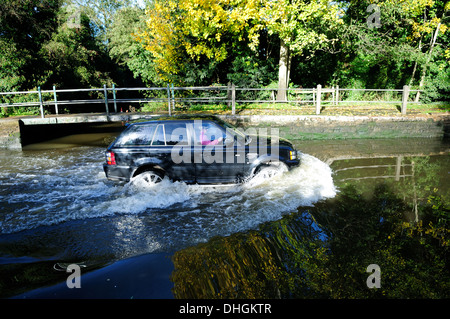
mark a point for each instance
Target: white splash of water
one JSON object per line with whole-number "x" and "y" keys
{"x": 81, "y": 192}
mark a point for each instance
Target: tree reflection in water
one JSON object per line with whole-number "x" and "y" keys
{"x": 323, "y": 251}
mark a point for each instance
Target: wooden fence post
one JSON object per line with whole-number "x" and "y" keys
{"x": 405, "y": 98}
{"x": 398, "y": 168}
{"x": 41, "y": 105}
{"x": 333, "y": 95}
{"x": 173, "y": 97}
{"x": 229, "y": 94}
{"x": 56, "y": 100}
{"x": 318, "y": 98}
{"x": 105, "y": 91}
{"x": 114, "y": 97}
{"x": 233, "y": 99}
{"x": 337, "y": 94}
{"x": 168, "y": 99}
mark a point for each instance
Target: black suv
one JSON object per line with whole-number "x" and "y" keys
{"x": 195, "y": 149}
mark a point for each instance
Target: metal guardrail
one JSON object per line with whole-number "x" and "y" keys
{"x": 292, "y": 96}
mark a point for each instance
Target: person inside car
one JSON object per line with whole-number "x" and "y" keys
{"x": 204, "y": 140}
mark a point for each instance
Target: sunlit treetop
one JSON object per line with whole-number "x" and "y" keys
{"x": 205, "y": 28}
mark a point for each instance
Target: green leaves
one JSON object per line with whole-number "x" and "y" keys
{"x": 300, "y": 24}
{"x": 201, "y": 42}
{"x": 24, "y": 26}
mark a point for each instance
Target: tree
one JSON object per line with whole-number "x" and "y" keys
{"x": 397, "y": 50}
{"x": 183, "y": 32}
{"x": 24, "y": 26}
{"x": 73, "y": 55}
{"x": 214, "y": 29}
{"x": 431, "y": 27}
{"x": 300, "y": 25}
{"x": 124, "y": 47}
{"x": 161, "y": 39}
{"x": 101, "y": 13}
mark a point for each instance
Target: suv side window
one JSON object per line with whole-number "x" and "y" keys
{"x": 176, "y": 134}
{"x": 206, "y": 132}
{"x": 137, "y": 135}
{"x": 159, "y": 138}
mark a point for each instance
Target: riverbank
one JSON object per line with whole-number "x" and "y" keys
{"x": 19, "y": 131}
{"x": 302, "y": 127}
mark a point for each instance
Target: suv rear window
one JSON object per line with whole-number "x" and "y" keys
{"x": 154, "y": 135}
{"x": 137, "y": 135}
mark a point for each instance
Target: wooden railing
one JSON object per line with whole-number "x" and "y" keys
{"x": 231, "y": 95}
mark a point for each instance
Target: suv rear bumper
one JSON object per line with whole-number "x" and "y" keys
{"x": 116, "y": 172}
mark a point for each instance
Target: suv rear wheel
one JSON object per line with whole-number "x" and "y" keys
{"x": 148, "y": 178}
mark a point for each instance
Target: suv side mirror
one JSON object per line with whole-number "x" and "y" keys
{"x": 229, "y": 140}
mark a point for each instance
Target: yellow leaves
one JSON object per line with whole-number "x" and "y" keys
{"x": 414, "y": 7}
{"x": 447, "y": 54}
{"x": 428, "y": 27}
{"x": 197, "y": 28}
{"x": 160, "y": 38}
{"x": 443, "y": 28}
{"x": 204, "y": 28}
{"x": 421, "y": 231}
{"x": 440, "y": 233}
{"x": 227, "y": 267}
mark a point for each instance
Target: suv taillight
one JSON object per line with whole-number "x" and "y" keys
{"x": 110, "y": 158}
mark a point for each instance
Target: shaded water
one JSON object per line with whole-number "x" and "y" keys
{"x": 57, "y": 207}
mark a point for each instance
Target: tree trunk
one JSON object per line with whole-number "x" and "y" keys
{"x": 424, "y": 69}
{"x": 283, "y": 71}
{"x": 415, "y": 65}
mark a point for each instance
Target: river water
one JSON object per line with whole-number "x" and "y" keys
{"x": 57, "y": 208}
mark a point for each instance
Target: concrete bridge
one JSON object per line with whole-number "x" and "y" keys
{"x": 18, "y": 131}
